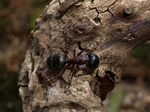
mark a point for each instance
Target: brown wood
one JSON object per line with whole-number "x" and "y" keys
{"x": 109, "y": 28}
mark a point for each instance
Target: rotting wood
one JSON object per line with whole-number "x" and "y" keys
{"x": 110, "y": 29}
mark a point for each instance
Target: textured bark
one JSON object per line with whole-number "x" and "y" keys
{"x": 109, "y": 28}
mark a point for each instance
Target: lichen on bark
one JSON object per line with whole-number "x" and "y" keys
{"x": 110, "y": 29}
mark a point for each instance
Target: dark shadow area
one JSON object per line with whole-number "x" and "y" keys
{"x": 17, "y": 19}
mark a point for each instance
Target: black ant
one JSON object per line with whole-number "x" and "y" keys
{"x": 58, "y": 61}
{"x": 61, "y": 61}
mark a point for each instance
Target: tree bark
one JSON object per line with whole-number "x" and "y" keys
{"x": 111, "y": 29}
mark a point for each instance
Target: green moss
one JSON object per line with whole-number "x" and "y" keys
{"x": 34, "y": 15}
{"x": 116, "y": 99}
{"x": 142, "y": 53}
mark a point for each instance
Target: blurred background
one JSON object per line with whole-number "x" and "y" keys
{"x": 17, "y": 18}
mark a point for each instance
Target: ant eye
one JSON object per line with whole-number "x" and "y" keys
{"x": 93, "y": 61}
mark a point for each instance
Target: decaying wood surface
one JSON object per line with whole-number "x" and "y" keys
{"x": 109, "y": 28}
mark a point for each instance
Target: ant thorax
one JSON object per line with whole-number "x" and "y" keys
{"x": 80, "y": 59}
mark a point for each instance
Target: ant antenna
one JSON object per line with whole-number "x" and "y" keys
{"x": 64, "y": 52}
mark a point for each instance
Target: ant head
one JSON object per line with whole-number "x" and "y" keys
{"x": 93, "y": 61}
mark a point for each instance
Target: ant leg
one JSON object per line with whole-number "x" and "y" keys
{"x": 78, "y": 67}
{"x": 97, "y": 73}
{"x": 83, "y": 69}
{"x": 74, "y": 53}
{"x": 71, "y": 76}
{"x": 64, "y": 52}
{"x": 72, "y": 72}
{"x": 63, "y": 70}
{"x": 79, "y": 53}
{"x": 60, "y": 76}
